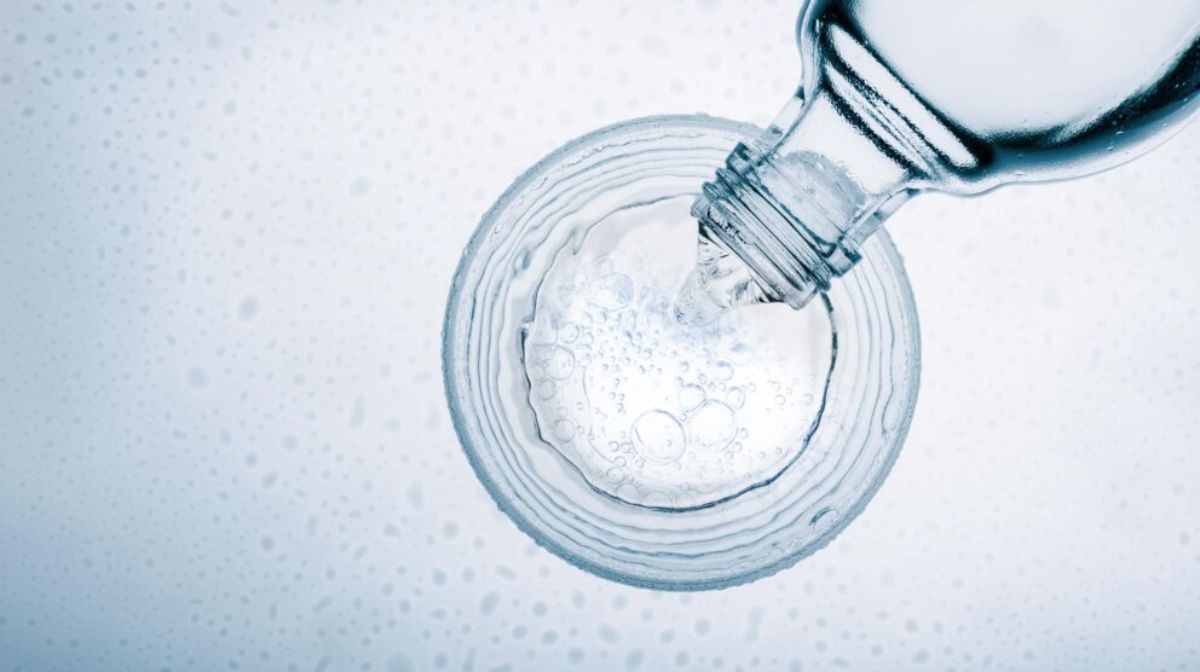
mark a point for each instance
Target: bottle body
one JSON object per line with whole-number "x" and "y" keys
{"x": 1033, "y": 89}
{"x": 947, "y": 95}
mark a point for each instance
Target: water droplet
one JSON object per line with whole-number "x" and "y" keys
{"x": 198, "y": 377}
{"x": 248, "y": 308}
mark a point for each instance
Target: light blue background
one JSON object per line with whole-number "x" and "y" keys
{"x": 226, "y": 234}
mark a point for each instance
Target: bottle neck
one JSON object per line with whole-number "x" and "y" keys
{"x": 796, "y": 204}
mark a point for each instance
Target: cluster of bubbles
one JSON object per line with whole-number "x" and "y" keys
{"x": 653, "y": 409}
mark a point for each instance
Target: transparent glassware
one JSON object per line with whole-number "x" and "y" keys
{"x": 960, "y": 97}
{"x": 599, "y": 424}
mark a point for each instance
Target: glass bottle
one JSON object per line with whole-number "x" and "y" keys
{"x": 958, "y": 96}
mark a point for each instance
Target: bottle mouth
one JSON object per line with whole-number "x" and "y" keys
{"x": 784, "y": 257}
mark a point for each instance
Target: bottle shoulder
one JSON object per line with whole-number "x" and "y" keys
{"x": 1049, "y": 89}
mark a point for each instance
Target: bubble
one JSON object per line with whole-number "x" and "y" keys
{"x": 568, "y": 332}
{"x": 564, "y": 429}
{"x": 740, "y": 354}
{"x": 658, "y": 437}
{"x": 721, "y": 372}
{"x": 712, "y": 426}
{"x": 554, "y": 361}
{"x": 612, "y": 291}
{"x": 735, "y": 397}
{"x": 547, "y": 389}
{"x": 690, "y": 396}
{"x": 825, "y": 515}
